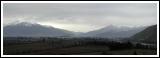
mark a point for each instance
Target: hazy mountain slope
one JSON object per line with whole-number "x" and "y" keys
{"x": 29, "y": 29}
{"x": 149, "y": 35}
{"x": 115, "y": 32}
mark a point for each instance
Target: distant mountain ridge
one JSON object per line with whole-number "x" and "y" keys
{"x": 33, "y": 30}
{"x": 115, "y": 32}
{"x": 37, "y": 30}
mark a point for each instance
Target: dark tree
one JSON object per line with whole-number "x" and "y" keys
{"x": 135, "y": 53}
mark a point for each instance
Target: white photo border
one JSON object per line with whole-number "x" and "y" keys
{"x": 2, "y": 2}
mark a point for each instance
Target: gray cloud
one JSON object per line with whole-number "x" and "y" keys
{"x": 87, "y": 16}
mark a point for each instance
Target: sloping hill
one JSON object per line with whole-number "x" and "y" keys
{"x": 149, "y": 35}
{"x": 33, "y": 30}
{"x": 115, "y": 32}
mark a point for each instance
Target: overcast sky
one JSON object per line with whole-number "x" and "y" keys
{"x": 81, "y": 17}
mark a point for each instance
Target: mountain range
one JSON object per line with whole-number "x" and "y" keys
{"x": 112, "y": 31}
{"x": 26, "y": 29}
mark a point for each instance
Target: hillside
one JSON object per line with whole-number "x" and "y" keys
{"x": 33, "y": 30}
{"x": 115, "y": 32}
{"x": 149, "y": 35}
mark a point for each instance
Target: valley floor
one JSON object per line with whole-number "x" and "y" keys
{"x": 45, "y": 49}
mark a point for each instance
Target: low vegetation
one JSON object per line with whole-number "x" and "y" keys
{"x": 73, "y": 46}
